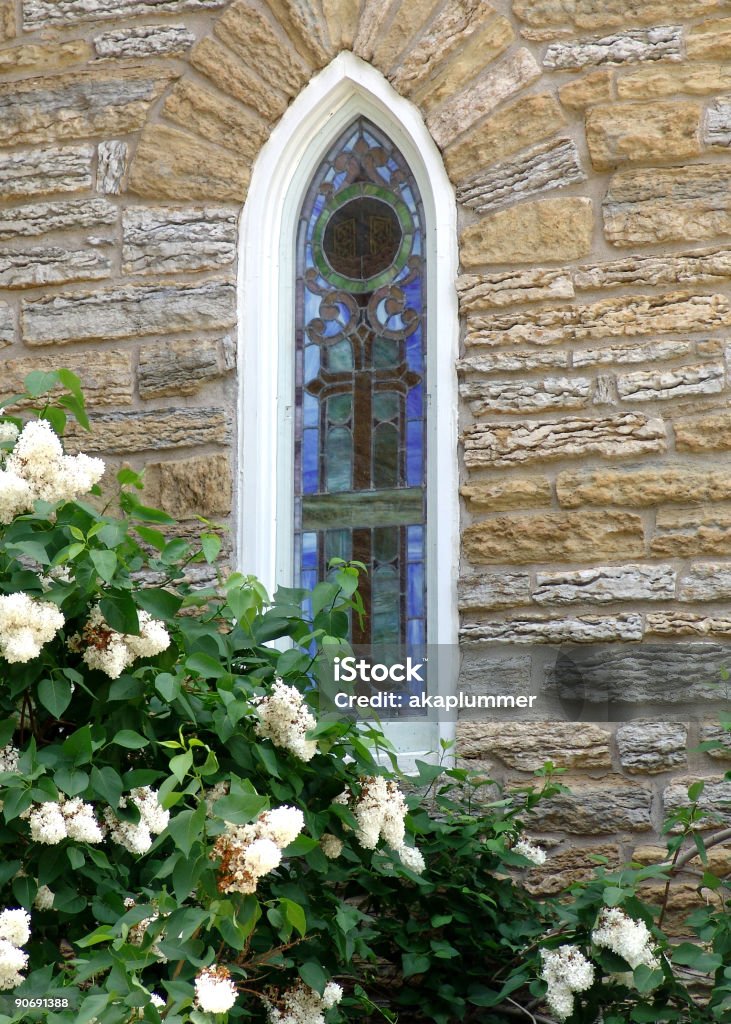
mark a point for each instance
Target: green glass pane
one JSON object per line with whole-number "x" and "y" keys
{"x": 339, "y": 408}
{"x": 337, "y": 544}
{"x": 340, "y": 356}
{"x": 385, "y": 406}
{"x": 339, "y": 460}
{"x": 385, "y": 543}
{"x": 386, "y": 604}
{"x": 385, "y": 456}
{"x": 385, "y": 352}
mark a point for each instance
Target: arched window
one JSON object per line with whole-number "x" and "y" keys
{"x": 360, "y": 381}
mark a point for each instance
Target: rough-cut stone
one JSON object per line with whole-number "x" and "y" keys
{"x": 494, "y": 670}
{"x": 688, "y": 624}
{"x": 77, "y": 105}
{"x": 577, "y": 864}
{"x": 51, "y": 264}
{"x": 382, "y": 44}
{"x": 661, "y": 385}
{"x": 605, "y": 807}
{"x": 527, "y": 747}
{"x": 182, "y": 367}
{"x": 200, "y": 486}
{"x": 161, "y": 240}
{"x": 642, "y": 488}
{"x": 515, "y": 493}
{"x": 554, "y": 537}
{"x": 714, "y": 801}
{"x": 490, "y": 291}
{"x": 7, "y": 325}
{"x": 170, "y": 164}
{"x": 664, "y": 204}
{"x": 521, "y": 124}
{"x": 595, "y": 14}
{"x": 624, "y": 316}
{"x": 557, "y": 229}
{"x": 44, "y": 57}
{"x": 246, "y": 30}
{"x": 692, "y": 531}
{"x": 637, "y": 133}
{"x": 719, "y": 857}
{"x": 483, "y": 96}
{"x": 708, "y": 581}
{"x": 106, "y": 377}
{"x": 604, "y": 584}
{"x": 635, "y": 352}
{"x": 717, "y": 734}
{"x": 506, "y": 362}
{"x": 717, "y": 131}
{"x": 577, "y": 629}
{"x": 548, "y": 167}
{"x": 44, "y": 171}
{"x": 651, "y": 747}
{"x": 683, "y": 898}
{"x": 341, "y": 18}
{"x": 519, "y": 395}
{"x": 8, "y": 26}
{"x": 40, "y": 218}
{"x": 145, "y": 41}
{"x": 653, "y": 82}
{"x": 135, "y": 431}
{"x": 624, "y": 48}
{"x": 43, "y": 13}
{"x": 488, "y": 591}
{"x": 128, "y": 312}
{"x": 711, "y": 40}
{"x": 500, "y": 444}
{"x": 235, "y": 79}
{"x": 111, "y": 166}
{"x": 595, "y": 87}
{"x": 704, "y": 434}
{"x": 703, "y": 265}
{"x": 224, "y": 122}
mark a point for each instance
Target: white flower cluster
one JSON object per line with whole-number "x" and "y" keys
{"x": 380, "y": 811}
{"x": 566, "y": 971}
{"x": 37, "y": 469}
{"x": 137, "y": 932}
{"x": 301, "y": 1004}
{"x": 8, "y": 430}
{"x": 214, "y": 990}
{"x": 68, "y": 819}
{"x": 14, "y": 933}
{"x": 285, "y": 719}
{"x": 44, "y": 898}
{"x": 530, "y": 851}
{"x": 153, "y": 820}
{"x": 9, "y": 758}
{"x": 111, "y": 652}
{"x": 624, "y": 936}
{"x": 331, "y": 846}
{"x": 25, "y": 626}
{"x": 247, "y": 852}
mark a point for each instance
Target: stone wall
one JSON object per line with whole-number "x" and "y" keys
{"x": 588, "y": 142}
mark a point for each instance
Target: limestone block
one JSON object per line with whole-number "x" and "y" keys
{"x": 44, "y": 171}
{"x": 145, "y": 41}
{"x": 548, "y": 167}
{"x": 200, "y": 486}
{"x": 688, "y": 624}
{"x": 493, "y": 590}
{"x": 661, "y": 385}
{"x": 523, "y": 539}
{"x": 576, "y": 864}
{"x": 708, "y": 581}
{"x": 128, "y": 312}
{"x": 719, "y": 858}
{"x": 633, "y": 133}
{"x": 106, "y": 376}
{"x": 662, "y": 43}
{"x": 43, "y": 57}
{"x": 717, "y": 734}
{"x": 683, "y": 899}
{"x": 624, "y": 316}
{"x": 595, "y": 14}
{"x": 235, "y": 79}
{"x": 302, "y": 21}
{"x": 717, "y": 131}
{"x": 710, "y": 40}
{"x": 77, "y": 105}
{"x": 51, "y": 13}
{"x": 668, "y": 204}
{"x": 520, "y": 395}
{"x": 490, "y": 291}
{"x": 653, "y": 82}
{"x": 164, "y": 240}
{"x": 170, "y": 164}
{"x": 604, "y": 584}
{"x": 702, "y": 265}
{"x": 652, "y": 747}
{"x": 578, "y": 629}
{"x": 634, "y": 352}
{"x": 642, "y": 488}
{"x": 7, "y": 325}
{"x": 380, "y": 39}
{"x": 111, "y": 166}
{"x": 51, "y": 264}
{"x": 514, "y": 493}
{"x": 494, "y": 670}
{"x": 526, "y": 746}
{"x": 341, "y": 18}
{"x": 126, "y": 432}
{"x": 692, "y": 531}
{"x": 246, "y": 30}
{"x": 7, "y": 20}
{"x": 181, "y": 367}
{"x": 715, "y": 800}
{"x": 523, "y": 123}
{"x": 594, "y": 87}
{"x": 558, "y": 229}
{"x": 703, "y": 434}
{"x": 519, "y": 361}
{"x": 219, "y": 120}
{"x": 375, "y": 16}
{"x": 39, "y": 218}
{"x": 478, "y": 100}
{"x": 501, "y": 444}
{"x": 605, "y": 807}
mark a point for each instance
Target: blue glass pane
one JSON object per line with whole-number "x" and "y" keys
{"x": 311, "y": 411}
{"x": 416, "y": 632}
{"x": 415, "y": 593}
{"x": 414, "y": 357}
{"x": 414, "y": 453}
{"x": 414, "y": 408}
{"x": 309, "y": 550}
{"x": 312, "y": 362}
{"x": 415, "y": 543}
{"x": 310, "y": 461}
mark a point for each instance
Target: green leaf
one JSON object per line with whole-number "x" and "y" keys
{"x": 206, "y": 666}
{"x": 167, "y": 686}
{"x": 211, "y": 545}
{"x": 613, "y": 896}
{"x": 161, "y": 604}
{"x": 24, "y": 890}
{"x": 187, "y": 827}
{"x": 690, "y": 955}
{"x": 71, "y": 781}
{"x": 130, "y": 739}
{"x": 105, "y": 563}
{"x": 107, "y": 784}
{"x": 120, "y": 612}
{"x": 313, "y": 975}
{"x": 294, "y": 914}
{"x": 152, "y": 537}
{"x": 241, "y": 808}
{"x": 647, "y": 978}
{"x": 181, "y": 764}
{"x": 55, "y": 695}
{"x": 38, "y": 382}
{"x": 415, "y": 963}
{"x": 695, "y": 790}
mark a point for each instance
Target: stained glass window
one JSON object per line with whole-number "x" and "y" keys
{"x": 360, "y": 447}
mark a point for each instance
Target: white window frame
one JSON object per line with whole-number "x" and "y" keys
{"x": 345, "y": 89}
